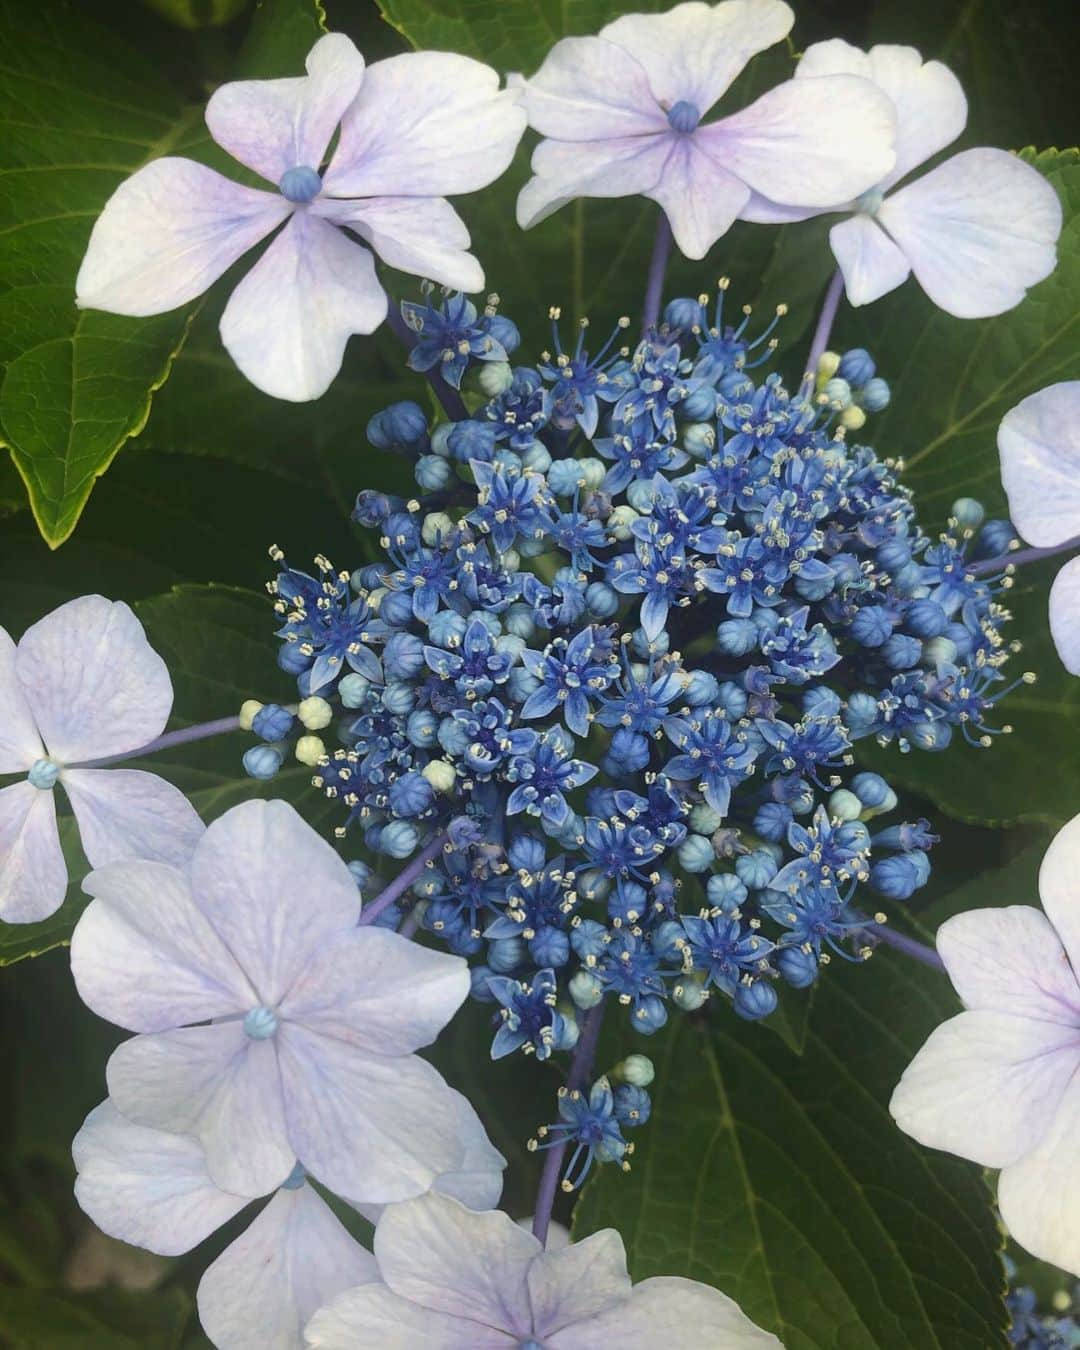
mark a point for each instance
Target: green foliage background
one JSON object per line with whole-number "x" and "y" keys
{"x": 771, "y": 1168}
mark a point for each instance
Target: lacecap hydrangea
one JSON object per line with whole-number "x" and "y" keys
{"x": 604, "y": 684}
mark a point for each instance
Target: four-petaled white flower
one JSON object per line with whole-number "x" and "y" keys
{"x": 977, "y": 231}
{"x": 452, "y": 1279}
{"x": 83, "y": 684}
{"x": 272, "y": 1027}
{"x": 1039, "y": 445}
{"x": 153, "y": 1190}
{"x": 623, "y": 114}
{"x": 1000, "y": 1082}
{"x": 413, "y": 128}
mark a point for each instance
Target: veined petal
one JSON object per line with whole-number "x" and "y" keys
{"x": 292, "y": 1259}
{"x": 126, "y": 813}
{"x": 1039, "y": 1196}
{"x": 274, "y": 890}
{"x": 146, "y": 1187}
{"x": 1059, "y": 889}
{"x": 700, "y": 198}
{"x": 623, "y": 167}
{"x": 144, "y": 956}
{"x": 578, "y": 1281}
{"x": 425, "y": 124}
{"x": 276, "y": 125}
{"x": 218, "y": 1084}
{"x": 377, "y": 990}
{"x": 287, "y": 323}
{"x": 591, "y": 90}
{"x": 167, "y": 233}
{"x": 1039, "y": 445}
{"x": 20, "y": 744}
{"x": 986, "y": 1084}
{"x": 421, "y": 235}
{"x": 1065, "y": 615}
{"x": 815, "y": 142}
{"x": 95, "y": 685}
{"x": 472, "y": 1265}
{"x": 372, "y": 1315}
{"x": 33, "y": 873}
{"x": 693, "y": 52}
{"x": 978, "y": 231}
{"x": 931, "y": 110}
{"x": 871, "y": 263}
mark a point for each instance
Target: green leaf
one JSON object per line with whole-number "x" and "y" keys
{"x": 952, "y": 382}
{"x": 108, "y": 1319}
{"x": 80, "y": 111}
{"x": 784, "y": 1182}
{"x": 197, "y": 13}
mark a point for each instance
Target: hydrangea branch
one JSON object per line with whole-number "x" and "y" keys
{"x": 823, "y": 331}
{"x": 918, "y": 951}
{"x": 654, "y": 286}
{"x": 404, "y": 879}
{"x": 1023, "y": 556}
{"x": 200, "y": 731}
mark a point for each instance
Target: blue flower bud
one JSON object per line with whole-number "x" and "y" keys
{"x": 756, "y": 869}
{"x": 838, "y": 392}
{"x": 353, "y": 690}
{"x": 537, "y": 457}
{"x": 395, "y": 608}
{"x": 994, "y": 539}
{"x": 726, "y": 891}
{"x": 925, "y": 618}
{"x": 478, "y": 984}
{"x": 563, "y": 477}
{"x": 968, "y": 513}
{"x": 697, "y": 408}
{"x": 737, "y": 637}
{"x": 696, "y": 853}
{"x": 872, "y": 626}
{"x": 585, "y": 989}
{"x": 632, "y": 1104}
{"x": 372, "y": 507}
{"x": 756, "y": 1000}
{"x": 262, "y": 761}
{"x": 799, "y": 968}
{"x": 432, "y": 473}
{"x": 411, "y": 794}
{"x": 526, "y": 853}
{"x": 403, "y": 656}
{"x": 929, "y": 735}
{"x": 601, "y": 599}
{"x": 400, "y": 426}
{"x": 872, "y": 790}
{"x": 643, "y": 646}
{"x": 901, "y": 652}
{"x": 629, "y": 751}
{"x": 440, "y": 438}
{"x": 588, "y": 938}
{"x": 361, "y": 873}
{"x": 421, "y": 728}
{"x": 900, "y": 876}
{"x": 702, "y": 689}
{"x": 772, "y": 821}
{"x": 732, "y": 699}
{"x": 506, "y": 955}
{"x": 857, "y": 366}
{"x": 505, "y": 332}
{"x": 684, "y": 314}
{"x": 875, "y": 395}
{"x": 399, "y": 698}
{"x": 291, "y": 659}
{"x": 649, "y": 1015}
{"x": 399, "y": 838}
{"x": 862, "y": 713}
{"x": 43, "y": 774}
{"x": 894, "y": 554}
{"x": 260, "y": 1023}
{"x": 518, "y": 620}
{"x": 550, "y": 947}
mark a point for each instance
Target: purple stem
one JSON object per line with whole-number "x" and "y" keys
{"x": 403, "y": 880}
{"x": 654, "y": 286}
{"x": 825, "y": 322}
{"x": 1021, "y": 556}
{"x": 580, "y": 1067}
{"x": 451, "y": 400}
{"x": 918, "y": 951}
{"x": 199, "y": 732}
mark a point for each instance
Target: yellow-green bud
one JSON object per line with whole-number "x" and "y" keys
{"x": 593, "y": 471}
{"x": 853, "y": 418}
{"x": 309, "y": 750}
{"x": 827, "y": 366}
{"x": 248, "y": 709}
{"x": 619, "y": 522}
{"x": 315, "y": 713}
{"x": 440, "y": 774}
{"x": 436, "y": 525}
{"x": 375, "y": 598}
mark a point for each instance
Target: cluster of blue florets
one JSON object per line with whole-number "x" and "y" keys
{"x": 1034, "y": 1327}
{"x": 617, "y": 653}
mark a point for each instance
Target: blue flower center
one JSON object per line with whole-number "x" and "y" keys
{"x": 295, "y": 1179}
{"x": 260, "y": 1023}
{"x": 300, "y": 184}
{"x": 870, "y": 202}
{"x": 530, "y": 1345}
{"x": 44, "y": 773}
{"x": 684, "y": 116}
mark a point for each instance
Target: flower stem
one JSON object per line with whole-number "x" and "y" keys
{"x": 451, "y": 400}
{"x": 199, "y": 732}
{"x": 918, "y": 951}
{"x": 581, "y": 1065}
{"x": 1021, "y": 556}
{"x": 403, "y": 880}
{"x": 654, "y": 286}
{"x": 823, "y": 331}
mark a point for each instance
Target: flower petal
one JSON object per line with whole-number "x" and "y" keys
{"x": 1011, "y": 959}
{"x": 95, "y": 685}
{"x": 145, "y": 957}
{"x": 372, "y": 1315}
{"x": 591, "y": 90}
{"x": 871, "y": 263}
{"x": 985, "y": 1085}
{"x": 471, "y": 1265}
{"x": 809, "y": 142}
{"x": 425, "y": 124}
{"x": 371, "y": 1127}
{"x": 700, "y": 198}
{"x": 276, "y": 125}
{"x": 1065, "y": 615}
{"x": 674, "y": 1313}
{"x": 931, "y": 110}
{"x": 274, "y": 890}
{"x": 167, "y": 233}
{"x": 1039, "y": 445}
{"x": 694, "y": 51}
{"x": 218, "y": 1084}
{"x": 20, "y": 744}
{"x": 146, "y": 1187}
{"x": 421, "y": 235}
{"x": 126, "y": 813}
{"x": 293, "y": 1258}
{"x": 1059, "y": 889}
{"x": 762, "y": 211}
{"x": 622, "y": 167}
{"x": 33, "y": 873}
{"x": 287, "y": 322}
{"x": 978, "y": 231}
{"x": 379, "y": 991}
{"x": 578, "y": 1281}
{"x": 1039, "y": 1196}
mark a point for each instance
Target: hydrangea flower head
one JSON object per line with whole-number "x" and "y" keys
{"x": 1039, "y": 445}
{"x": 457, "y": 1279}
{"x": 82, "y": 684}
{"x": 625, "y": 113}
{"x": 977, "y": 231}
{"x": 1000, "y": 1082}
{"x": 175, "y": 226}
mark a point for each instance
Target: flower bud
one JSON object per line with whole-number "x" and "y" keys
{"x": 619, "y": 522}
{"x": 857, "y": 366}
{"x": 968, "y": 513}
{"x": 852, "y": 419}
{"x": 844, "y": 805}
{"x": 432, "y": 472}
{"x": 585, "y": 989}
{"x": 494, "y": 377}
{"x": 398, "y": 839}
{"x": 440, "y": 774}
{"x": 352, "y": 689}
{"x": 315, "y": 713}
{"x": 695, "y": 853}
{"x": 262, "y": 761}
{"x": 309, "y": 750}
{"x": 636, "y": 1070}
{"x": 248, "y": 709}
{"x": 272, "y": 722}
